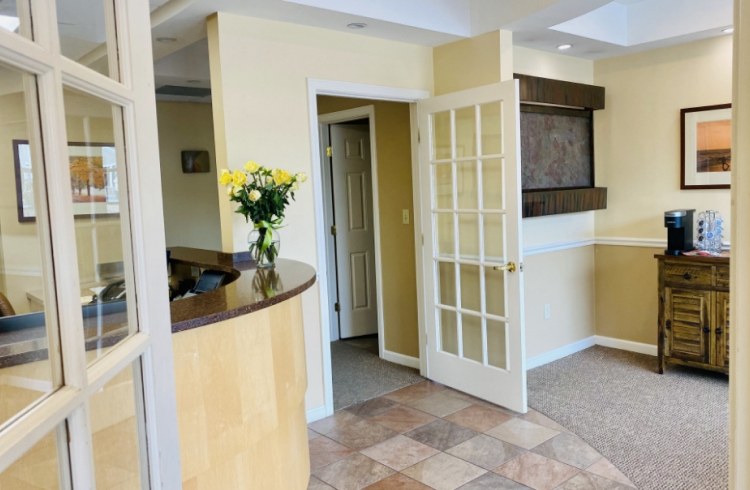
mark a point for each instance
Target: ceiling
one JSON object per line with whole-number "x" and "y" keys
{"x": 595, "y": 28}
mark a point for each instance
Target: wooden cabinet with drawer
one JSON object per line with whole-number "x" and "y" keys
{"x": 694, "y": 312}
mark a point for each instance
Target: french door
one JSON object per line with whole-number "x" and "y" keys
{"x": 470, "y": 167}
{"x": 86, "y": 386}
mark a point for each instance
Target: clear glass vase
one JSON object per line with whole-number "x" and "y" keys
{"x": 264, "y": 256}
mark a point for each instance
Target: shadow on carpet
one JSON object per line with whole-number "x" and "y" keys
{"x": 360, "y": 375}
{"x": 662, "y": 431}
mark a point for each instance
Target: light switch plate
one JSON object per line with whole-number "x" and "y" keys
{"x": 405, "y": 216}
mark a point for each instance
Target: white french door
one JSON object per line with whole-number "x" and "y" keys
{"x": 87, "y": 388}
{"x": 470, "y": 167}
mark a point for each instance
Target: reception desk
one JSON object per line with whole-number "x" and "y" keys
{"x": 240, "y": 381}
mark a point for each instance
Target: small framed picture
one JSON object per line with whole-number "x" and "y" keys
{"x": 706, "y": 135}
{"x": 194, "y": 161}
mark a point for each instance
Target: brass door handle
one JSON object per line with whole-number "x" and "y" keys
{"x": 510, "y": 267}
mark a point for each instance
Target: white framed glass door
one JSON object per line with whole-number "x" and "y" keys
{"x": 470, "y": 167}
{"x": 86, "y": 378}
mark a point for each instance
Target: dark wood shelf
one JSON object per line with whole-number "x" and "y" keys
{"x": 548, "y": 202}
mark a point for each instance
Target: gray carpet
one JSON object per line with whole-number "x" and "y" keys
{"x": 359, "y": 374}
{"x": 663, "y": 431}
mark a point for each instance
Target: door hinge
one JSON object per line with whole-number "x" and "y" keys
{"x": 333, "y": 230}
{"x": 329, "y": 151}
{"x": 336, "y": 307}
{"x": 423, "y": 239}
{"x": 419, "y": 136}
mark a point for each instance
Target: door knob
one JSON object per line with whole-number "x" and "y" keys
{"x": 510, "y": 267}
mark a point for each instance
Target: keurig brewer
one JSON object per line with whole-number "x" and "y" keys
{"x": 679, "y": 224}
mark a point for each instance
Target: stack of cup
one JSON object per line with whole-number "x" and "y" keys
{"x": 710, "y": 226}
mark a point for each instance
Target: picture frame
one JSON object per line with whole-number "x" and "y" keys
{"x": 94, "y": 183}
{"x": 195, "y": 161}
{"x": 706, "y": 147}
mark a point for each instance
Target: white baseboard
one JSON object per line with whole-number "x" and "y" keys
{"x": 316, "y": 414}
{"x": 560, "y": 352}
{"x": 395, "y": 357}
{"x": 629, "y": 345}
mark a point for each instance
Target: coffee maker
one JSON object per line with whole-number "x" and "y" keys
{"x": 679, "y": 224}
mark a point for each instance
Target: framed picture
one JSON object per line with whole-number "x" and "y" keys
{"x": 706, "y": 136}
{"x": 94, "y": 188}
{"x": 195, "y": 161}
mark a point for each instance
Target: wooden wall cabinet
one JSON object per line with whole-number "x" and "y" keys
{"x": 694, "y": 312}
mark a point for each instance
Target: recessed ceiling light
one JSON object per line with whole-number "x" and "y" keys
{"x": 356, "y": 25}
{"x": 563, "y": 47}
{"x": 728, "y": 30}
{"x": 166, "y": 39}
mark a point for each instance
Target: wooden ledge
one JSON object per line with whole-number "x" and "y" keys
{"x": 548, "y": 202}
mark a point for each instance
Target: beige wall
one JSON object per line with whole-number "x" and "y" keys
{"x": 261, "y": 113}
{"x": 393, "y": 144}
{"x": 637, "y": 141}
{"x": 191, "y": 201}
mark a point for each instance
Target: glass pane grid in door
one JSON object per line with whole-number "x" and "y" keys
{"x": 39, "y": 467}
{"x": 15, "y": 17}
{"x": 99, "y": 193}
{"x": 31, "y": 367}
{"x": 85, "y": 35}
{"x": 468, "y": 211}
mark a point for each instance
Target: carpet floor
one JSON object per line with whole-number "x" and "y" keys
{"x": 663, "y": 432}
{"x": 360, "y": 375}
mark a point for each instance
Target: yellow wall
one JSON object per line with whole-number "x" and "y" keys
{"x": 191, "y": 201}
{"x": 393, "y": 144}
{"x": 637, "y": 141}
{"x": 467, "y": 63}
{"x": 261, "y": 113}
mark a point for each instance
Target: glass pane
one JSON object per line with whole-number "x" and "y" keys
{"x": 114, "y": 429}
{"x": 447, "y": 283}
{"x": 468, "y": 236}
{"x": 466, "y": 132}
{"x": 494, "y": 250}
{"x": 467, "y": 185}
{"x": 83, "y": 34}
{"x": 448, "y": 331}
{"x": 443, "y": 186}
{"x": 38, "y": 468}
{"x": 491, "y": 128}
{"x": 471, "y": 333}
{"x": 496, "y": 344}
{"x": 26, "y": 372}
{"x": 492, "y": 183}
{"x": 441, "y": 136}
{"x": 470, "y": 297}
{"x": 99, "y": 193}
{"x": 14, "y": 17}
{"x": 444, "y": 227}
{"x": 494, "y": 290}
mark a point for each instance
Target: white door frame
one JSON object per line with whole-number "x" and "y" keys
{"x": 335, "y": 88}
{"x": 365, "y": 112}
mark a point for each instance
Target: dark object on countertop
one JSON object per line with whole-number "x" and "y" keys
{"x": 679, "y": 224}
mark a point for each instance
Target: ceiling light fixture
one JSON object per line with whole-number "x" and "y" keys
{"x": 563, "y": 47}
{"x": 356, "y": 25}
{"x": 728, "y": 30}
{"x": 166, "y": 39}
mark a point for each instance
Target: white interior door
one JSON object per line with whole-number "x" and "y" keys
{"x": 355, "y": 233}
{"x": 470, "y": 166}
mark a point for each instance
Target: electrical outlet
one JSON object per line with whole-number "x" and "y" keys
{"x": 405, "y": 216}
{"x": 547, "y": 311}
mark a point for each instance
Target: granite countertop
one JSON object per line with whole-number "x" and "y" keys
{"x": 23, "y": 337}
{"x": 253, "y": 290}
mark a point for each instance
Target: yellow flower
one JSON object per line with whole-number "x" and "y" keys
{"x": 252, "y": 166}
{"x": 236, "y": 190}
{"x": 281, "y": 177}
{"x": 239, "y": 178}
{"x": 254, "y": 195}
{"x": 301, "y": 177}
{"x": 226, "y": 177}
{"x": 230, "y": 190}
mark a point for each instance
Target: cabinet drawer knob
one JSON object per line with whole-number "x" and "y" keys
{"x": 687, "y": 276}
{"x": 706, "y": 330}
{"x": 668, "y": 324}
{"x": 719, "y": 331}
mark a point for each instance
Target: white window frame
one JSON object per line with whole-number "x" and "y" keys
{"x": 152, "y": 344}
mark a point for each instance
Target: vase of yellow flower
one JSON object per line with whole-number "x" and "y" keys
{"x": 262, "y": 194}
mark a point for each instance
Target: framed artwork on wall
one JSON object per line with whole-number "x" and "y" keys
{"x": 94, "y": 187}
{"x": 706, "y": 147}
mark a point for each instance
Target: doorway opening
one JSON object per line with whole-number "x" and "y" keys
{"x": 371, "y": 305}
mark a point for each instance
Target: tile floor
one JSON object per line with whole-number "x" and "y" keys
{"x": 429, "y": 436}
